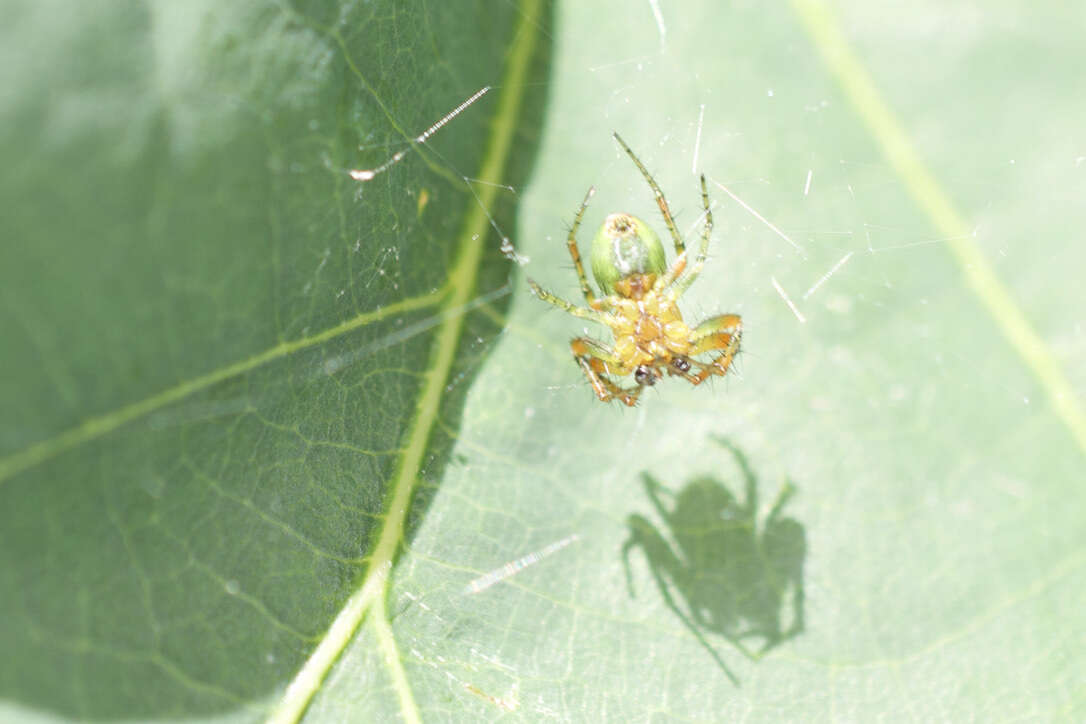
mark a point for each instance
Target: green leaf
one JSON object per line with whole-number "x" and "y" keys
{"x": 226, "y": 360}
{"x": 929, "y": 565}
{"x": 879, "y": 516}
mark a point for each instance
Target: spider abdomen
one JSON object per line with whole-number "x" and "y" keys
{"x": 625, "y": 247}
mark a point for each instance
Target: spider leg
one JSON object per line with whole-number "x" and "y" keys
{"x": 597, "y": 361}
{"x": 671, "y": 275}
{"x": 680, "y": 248}
{"x": 571, "y": 242}
{"x": 565, "y": 306}
{"x": 683, "y": 284}
{"x": 716, "y": 333}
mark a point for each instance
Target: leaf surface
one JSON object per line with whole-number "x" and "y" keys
{"x": 226, "y": 360}
{"x": 878, "y": 516}
{"x": 928, "y": 562}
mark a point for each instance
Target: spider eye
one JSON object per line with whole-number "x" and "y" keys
{"x": 644, "y": 375}
{"x": 681, "y": 364}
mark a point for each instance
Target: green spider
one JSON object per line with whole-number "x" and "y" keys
{"x": 639, "y": 303}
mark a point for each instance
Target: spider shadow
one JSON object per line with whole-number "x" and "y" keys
{"x": 723, "y": 576}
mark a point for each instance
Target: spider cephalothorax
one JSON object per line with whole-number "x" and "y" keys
{"x": 639, "y": 304}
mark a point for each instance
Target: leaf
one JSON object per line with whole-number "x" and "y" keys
{"x": 224, "y": 358}
{"x": 878, "y": 516}
{"x": 929, "y": 564}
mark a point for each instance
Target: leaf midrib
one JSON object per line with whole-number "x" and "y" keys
{"x": 461, "y": 281}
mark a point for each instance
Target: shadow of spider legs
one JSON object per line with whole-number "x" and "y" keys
{"x": 717, "y": 569}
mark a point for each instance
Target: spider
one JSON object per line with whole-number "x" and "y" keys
{"x": 639, "y": 303}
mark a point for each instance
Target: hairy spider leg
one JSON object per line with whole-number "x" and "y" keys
{"x": 565, "y": 306}
{"x": 661, "y": 201}
{"x": 723, "y": 333}
{"x": 571, "y": 242}
{"x": 703, "y": 251}
{"x": 671, "y": 278}
{"x": 597, "y": 361}
{"x": 679, "y": 264}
